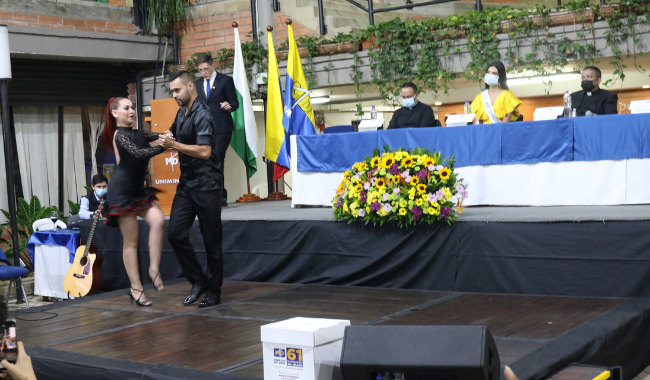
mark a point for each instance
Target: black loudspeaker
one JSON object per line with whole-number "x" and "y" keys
{"x": 419, "y": 353}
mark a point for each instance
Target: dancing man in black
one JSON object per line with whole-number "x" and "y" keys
{"x": 198, "y": 192}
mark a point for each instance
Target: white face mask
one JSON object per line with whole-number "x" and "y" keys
{"x": 491, "y": 79}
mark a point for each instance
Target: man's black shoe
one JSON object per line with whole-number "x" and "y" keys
{"x": 197, "y": 291}
{"x": 210, "y": 299}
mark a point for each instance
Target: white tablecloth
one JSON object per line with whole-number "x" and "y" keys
{"x": 51, "y": 263}
{"x": 567, "y": 183}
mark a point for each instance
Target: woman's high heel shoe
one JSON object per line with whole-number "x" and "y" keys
{"x": 137, "y": 301}
{"x": 161, "y": 287}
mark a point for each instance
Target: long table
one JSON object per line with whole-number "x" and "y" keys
{"x": 603, "y": 160}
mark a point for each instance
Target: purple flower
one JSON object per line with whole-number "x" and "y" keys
{"x": 388, "y": 207}
{"x": 373, "y": 171}
{"x": 440, "y": 194}
{"x": 444, "y": 212}
{"x": 432, "y": 168}
{"x": 438, "y": 167}
{"x": 362, "y": 213}
{"x": 375, "y": 206}
{"x": 394, "y": 170}
{"x": 385, "y": 197}
{"x": 406, "y": 174}
{"x": 417, "y": 212}
{"x": 422, "y": 174}
{"x": 357, "y": 177}
{"x": 339, "y": 202}
{"x": 462, "y": 193}
{"x": 362, "y": 197}
{"x": 366, "y": 185}
{"x": 397, "y": 190}
{"x": 433, "y": 198}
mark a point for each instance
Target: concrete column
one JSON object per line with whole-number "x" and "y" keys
{"x": 266, "y": 17}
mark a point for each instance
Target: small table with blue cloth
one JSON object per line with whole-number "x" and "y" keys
{"x": 52, "y": 252}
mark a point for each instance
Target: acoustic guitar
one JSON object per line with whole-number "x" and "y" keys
{"x": 79, "y": 279}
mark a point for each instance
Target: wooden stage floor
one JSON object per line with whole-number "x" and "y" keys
{"x": 226, "y": 338}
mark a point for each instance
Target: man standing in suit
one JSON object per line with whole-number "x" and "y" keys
{"x": 592, "y": 98}
{"x": 218, "y": 92}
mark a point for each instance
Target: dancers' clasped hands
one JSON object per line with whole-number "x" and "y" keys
{"x": 166, "y": 140}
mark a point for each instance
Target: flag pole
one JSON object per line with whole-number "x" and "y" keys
{"x": 248, "y": 197}
{"x": 277, "y": 195}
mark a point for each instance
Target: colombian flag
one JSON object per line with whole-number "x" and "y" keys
{"x": 276, "y": 148}
{"x": 298, "y": 114}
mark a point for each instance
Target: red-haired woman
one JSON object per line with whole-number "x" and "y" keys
{"x": 127, "y": 195}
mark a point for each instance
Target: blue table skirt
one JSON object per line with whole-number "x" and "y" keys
{"x": 68, "y": 239}
{"x": 609, "y": 137}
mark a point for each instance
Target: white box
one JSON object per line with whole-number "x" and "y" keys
{"x": 371, "y": 125}
{"x": 303, "y": 349}
{"x": 640, "y": 106}
{"x": 460, "y": 120}
{"x": 547, "y": 113}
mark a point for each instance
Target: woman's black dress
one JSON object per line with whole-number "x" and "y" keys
{"x": 127, "y": 193}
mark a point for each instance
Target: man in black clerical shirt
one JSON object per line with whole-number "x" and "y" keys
{"x": 198, "y": 192}
{"x": 592, "y": 98}
{"x": 414, "y": 114}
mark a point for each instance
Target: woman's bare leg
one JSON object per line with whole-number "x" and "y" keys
{"x": 129, "y": 227}
{"x": 156, "y": 221}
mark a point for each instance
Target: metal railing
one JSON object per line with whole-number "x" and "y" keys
{"x": 409, "y": 5}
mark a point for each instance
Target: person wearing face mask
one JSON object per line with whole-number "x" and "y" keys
{"x": 592, "y": 98}
{"x": 90, "y": 203}
{"x": 414, "y": 114}
{"x": 496, "y": 104}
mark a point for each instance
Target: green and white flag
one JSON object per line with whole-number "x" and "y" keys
{"x": 244, "y": 138}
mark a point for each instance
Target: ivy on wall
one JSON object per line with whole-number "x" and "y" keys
{"x": 425, "y": 52}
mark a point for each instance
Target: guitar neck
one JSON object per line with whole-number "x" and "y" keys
{"x": 92, "y": 230}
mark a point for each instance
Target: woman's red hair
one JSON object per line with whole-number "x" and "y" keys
{"x": 110, "y": 125}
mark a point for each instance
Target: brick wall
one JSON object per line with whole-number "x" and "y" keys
{"x": 215, "y": 32}
{"x": 87, "y": 25}
{"x": 132, "y": 94}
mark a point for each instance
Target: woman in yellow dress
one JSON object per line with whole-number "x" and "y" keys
{"x": 496, "y": 104}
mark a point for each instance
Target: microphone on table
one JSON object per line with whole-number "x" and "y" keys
{"x": 589, "y": 113}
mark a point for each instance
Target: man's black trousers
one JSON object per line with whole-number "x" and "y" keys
{"x": 187, "y": 205}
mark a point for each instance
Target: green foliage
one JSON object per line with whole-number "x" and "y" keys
{"x": 27, "y": 214}
{"x": 74, "y": 207}
{"x": 166, "y": 15}
{"x": 424, "y": 52}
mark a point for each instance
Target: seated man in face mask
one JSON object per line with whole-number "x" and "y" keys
{"x": 592, "y": 98}
{"x": 414, "y": 114}
{"x": 90, "y": 202}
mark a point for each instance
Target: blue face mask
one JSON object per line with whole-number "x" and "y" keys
{"x": 410, "y": 102}
{"x": 100, "y": 192}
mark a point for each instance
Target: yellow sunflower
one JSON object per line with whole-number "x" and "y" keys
{"x": 402, "y": 211}
{"x": 375, "y": 162}
{"x": 444, "y": 173}
{"x": 361, "y": 166}
{"x": 422, "y": 188}
{"x": 380, "y": 183}
{"x": 347, "y": 174}
{"x": 414, "y": 181}
{"x": 429, "y": 161}
{"x": 388, "y": 161}
{"x": 358, "y": 188}
{"x": 407, "y": 162}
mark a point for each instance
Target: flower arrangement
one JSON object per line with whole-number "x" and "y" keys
{"x": 400, "y": 186}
